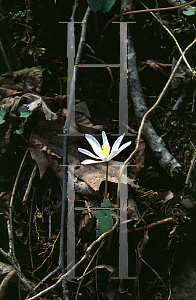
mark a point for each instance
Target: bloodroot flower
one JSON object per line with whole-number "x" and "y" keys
{"x": 103, "y": 153}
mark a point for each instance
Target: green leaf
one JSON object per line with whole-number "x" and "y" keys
{"x": 25, "y": 114}
{"x": 104, "y": 218}
{"x": 101, "y": 5}
{"x": 2, "y": 114}
{"x": 189, "y": 12}
{"x": 20, "y": 130}
{"x": 32, "y": 39}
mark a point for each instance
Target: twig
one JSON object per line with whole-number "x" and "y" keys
{"x": 173, "y": 37}
{"x": 140, "y": 253}
{"x": 74, "y": 10}
{"x": 29, "y": 184}
{"x": 144, "y": 11}
{"x": 30, "y": 219}
{"x": 192, "y": 144}
{"x": 11, "y": 240}
{"x": 152, "y": 269}
{"x": 190, "y": 169}
{"x": 10, "y": 256}
{"x": 44, "y": 280}
{"x": 17, "y": 178}
{"x": 48, "y": 255}
{"x": 151, "y": 225}
{"x": 78, "y": 263}
{"x": 193, "y": 105}
{"x": 87, "y": 269}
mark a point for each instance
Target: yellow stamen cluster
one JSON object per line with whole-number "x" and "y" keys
{"x": 105, "y": 150}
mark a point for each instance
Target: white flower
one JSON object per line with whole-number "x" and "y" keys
{"x": 103, "y": 153}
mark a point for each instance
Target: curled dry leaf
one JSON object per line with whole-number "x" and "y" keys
{"x": 32, "y": 102}
{"x": 27, "y": 102}
{"x": 23, "y": 80}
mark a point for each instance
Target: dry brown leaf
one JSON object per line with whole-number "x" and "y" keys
{"x": 40, "y": 159}
{"x": 83, "y": 124}
{"x": 166, "y": 195}
{"x": 86, "y": 223}
{"x": 4, "y": 93}
{"x": 94, "y": 174}
{"x": 23, "y": 80}
{"x": 28, "y": 102}
{"x": 45, "y": 137}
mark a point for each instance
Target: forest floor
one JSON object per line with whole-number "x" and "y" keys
{"x": 35, "y": 44}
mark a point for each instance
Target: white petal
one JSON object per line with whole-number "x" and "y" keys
{"x": 124, "y": 146}
{"x": 105, "y": 139}
{"x": 116, "y": 152}
{"x": 117, "y": 142}
{"x": 84, "y": 151}
{"x": 94, "y": 144}
{"x": 90, "y": 161}
{"x": 113, "y": 154}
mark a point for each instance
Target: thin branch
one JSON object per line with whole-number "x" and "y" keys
{"x": 29, "y": 184}
{"x": 173, "y": 37}
{"x": 85, "y": 271}
{"x": 144, "y": 11}
{"x": 190, "y": 169}
{"x": 74, "y": 11}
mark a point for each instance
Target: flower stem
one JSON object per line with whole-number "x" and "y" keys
{"x": 106, "y": 182}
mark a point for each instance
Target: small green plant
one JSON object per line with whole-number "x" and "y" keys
{"x": 18, "y": 15}
{"x": 23, "y": 115}
{"x": 104, "y": 218}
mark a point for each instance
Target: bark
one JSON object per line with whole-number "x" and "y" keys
{"x": 157, "y": 145}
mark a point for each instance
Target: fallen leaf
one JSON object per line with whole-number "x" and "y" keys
{"x": 166, "y": 195}
{"x": 23, "y": 80}
{"x": 94, "y": 174}
{"x": 40, "y": 159}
